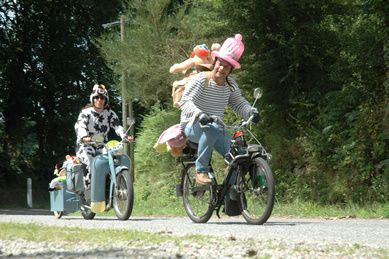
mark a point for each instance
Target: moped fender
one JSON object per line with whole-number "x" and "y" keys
{"x": 100, "y": 169}
{"x": 99, "y": 172}
{"x": 124, "y": 164}
{"x": 255, "y": 155}
{"x": 118, "y": 169}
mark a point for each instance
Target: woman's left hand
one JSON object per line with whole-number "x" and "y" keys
{"x": 130, "y": 138}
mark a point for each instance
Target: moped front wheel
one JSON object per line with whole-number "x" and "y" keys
{"x": 86, "y": 212}
{"x": 256, "y": 190}
{"x": 58, "y": 214}
{"x": 197, "y": 198}
{"x": 123, "y": 196}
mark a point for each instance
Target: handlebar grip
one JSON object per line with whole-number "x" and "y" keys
{"x": 248, "y": 122}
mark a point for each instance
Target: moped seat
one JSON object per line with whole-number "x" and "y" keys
{"x": 192, "y": 145}
{"x": 189, "y": 153}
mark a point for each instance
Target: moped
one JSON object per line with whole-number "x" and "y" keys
{"x": 248, "y": 189}
{"x": 111, "y": 184}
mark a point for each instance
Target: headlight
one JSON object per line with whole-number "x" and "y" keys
{"x": 115, "y": 147}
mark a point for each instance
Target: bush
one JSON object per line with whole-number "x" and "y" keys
{"x": 155, "y": 174}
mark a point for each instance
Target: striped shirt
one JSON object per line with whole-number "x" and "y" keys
{"x": 212, "y": 99}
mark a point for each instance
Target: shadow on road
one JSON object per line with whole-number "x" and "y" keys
{"x": 269, "y": 223}
{"x": 24, "y": 211}
{"x": 111, "y": 218}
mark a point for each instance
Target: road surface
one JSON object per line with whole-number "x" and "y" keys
{"x": 365, "y": 232}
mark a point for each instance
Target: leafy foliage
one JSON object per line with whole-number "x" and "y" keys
{"x": 322, "y": 65}
{"x": 158, "y": 34}
{"x": 156, "y": 174}
{"x": 48, "y": 62}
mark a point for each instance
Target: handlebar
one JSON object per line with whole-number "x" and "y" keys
{"x": 242, "y": 124}
{"x": 97, "y": 142}
{"x": 247, "y": 123}
{"x": 126, "y": 141}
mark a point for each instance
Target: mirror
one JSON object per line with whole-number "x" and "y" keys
{"x": 257, "y": 93}
{"x": 130, "y": 122}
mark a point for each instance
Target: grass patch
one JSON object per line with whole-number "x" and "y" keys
{"x": 299, "y": 208}
{"x": 296, "y": 208}
{"x": 37, "y": 233}
{"x": 160, "y": 200}
{"x": 152, "y": 207}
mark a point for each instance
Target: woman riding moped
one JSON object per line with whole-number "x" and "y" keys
{"x": 204, "y": 98}
{"x": 102, "y": 180}
{"x": 96, "y": 119}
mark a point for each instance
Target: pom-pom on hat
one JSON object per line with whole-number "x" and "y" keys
{"x": 99, "y": 89}
{"x": 231, "y": 51}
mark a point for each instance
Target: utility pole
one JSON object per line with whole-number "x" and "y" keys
{"x": 127, "y": 110}
{"x": 124, "y": 79}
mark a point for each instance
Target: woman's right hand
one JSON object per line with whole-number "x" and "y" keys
{"x": 86, "y": 140}
{"x": 204, "y": 119}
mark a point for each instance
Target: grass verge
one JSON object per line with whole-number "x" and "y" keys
{"x": 296, "y": 208}
{"x": 299, "y": 208}
{"x": 37, "y": 233}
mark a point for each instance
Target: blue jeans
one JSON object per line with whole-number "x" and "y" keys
{"x": 207, "y": 138}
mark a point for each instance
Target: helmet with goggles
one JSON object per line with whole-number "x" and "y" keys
{"x": 99, "y": 90}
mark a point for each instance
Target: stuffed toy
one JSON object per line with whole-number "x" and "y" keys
{"x": 55, "y": 184}
{"x": 171, "y": 140}
{"x": 199, "y": 60}
{"x": 60, "y": 172}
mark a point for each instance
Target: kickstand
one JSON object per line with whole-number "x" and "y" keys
{"x": 217, "y": 212}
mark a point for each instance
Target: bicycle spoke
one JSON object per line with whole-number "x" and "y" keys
{"x": 257, "y": 192}
{"x": 197, "y": 198}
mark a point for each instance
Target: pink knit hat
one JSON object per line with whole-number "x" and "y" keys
{"x": 231, "y": 51}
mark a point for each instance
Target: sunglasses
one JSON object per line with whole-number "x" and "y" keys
{"x": 99, "y": 97}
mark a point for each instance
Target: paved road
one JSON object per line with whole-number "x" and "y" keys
{"x": 366, "y": 232}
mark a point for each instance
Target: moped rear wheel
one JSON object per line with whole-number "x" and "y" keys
{"x": 256, "y": 190}
{"x": 197, "y": 198}
{"x": 123, "y": 196}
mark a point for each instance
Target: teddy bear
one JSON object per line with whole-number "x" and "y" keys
{"x": 60, "y": 172}
{"x": 199, "y": 60}
{"x": 55, "y": 184}
{"x": 173, "y": 140}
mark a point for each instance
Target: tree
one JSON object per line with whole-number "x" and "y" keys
{"x": 49, "y": 64}
{"x": 322, "y": 67}
{"x": 157, "y": 35}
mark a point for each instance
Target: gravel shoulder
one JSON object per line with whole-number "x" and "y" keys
{"x": 228, "y": 237}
